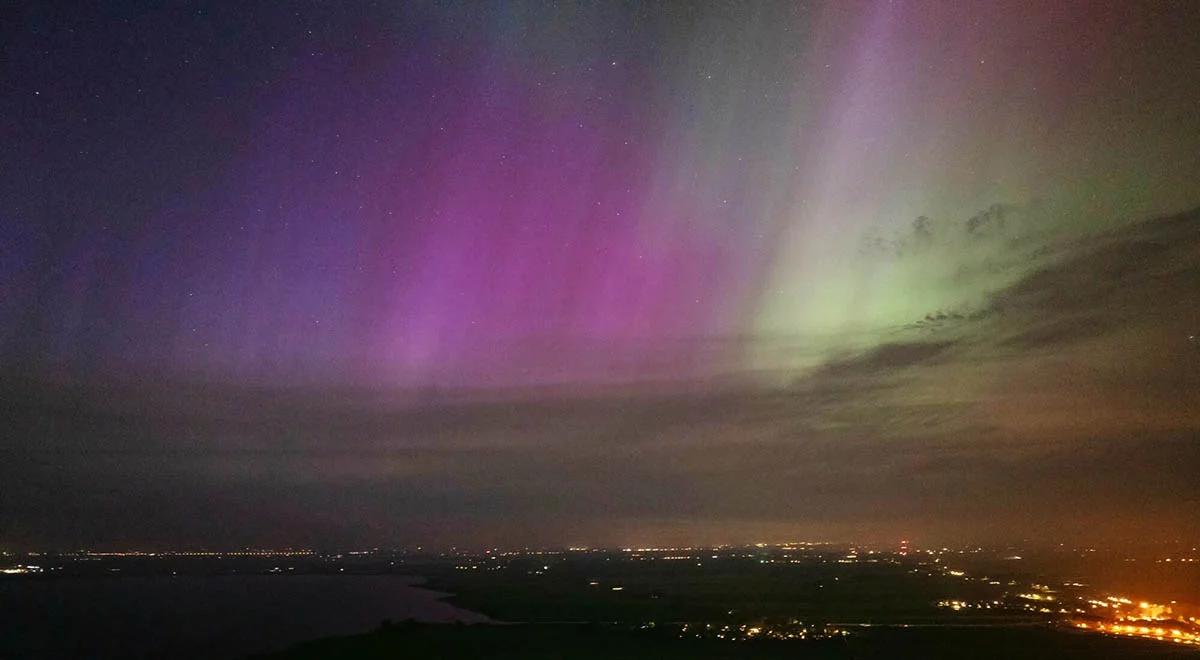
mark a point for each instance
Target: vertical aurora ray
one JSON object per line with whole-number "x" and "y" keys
{"x": 528, "y": 195}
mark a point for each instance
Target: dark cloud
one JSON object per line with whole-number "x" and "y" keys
{"x": 888, "y": 357}
{"x": 1153, "y": 257}
{"x": 1056, "y": 332}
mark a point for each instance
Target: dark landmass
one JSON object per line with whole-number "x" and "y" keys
{"x": 584, "y": 642}
{"x": 804, "y": 601}
{"x": 794, "y": 600}
{"x": 585, "y": 588}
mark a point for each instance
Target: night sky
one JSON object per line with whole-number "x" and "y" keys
{"x": 584, "y": 273}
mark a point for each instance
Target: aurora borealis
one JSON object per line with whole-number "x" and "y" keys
{"x": 467, "y": 269}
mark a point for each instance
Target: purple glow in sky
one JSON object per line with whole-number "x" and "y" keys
{"x": 593, "y": 272}
{"x": 527, "y": 195}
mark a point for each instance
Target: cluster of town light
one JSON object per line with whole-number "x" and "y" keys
{"x": 790, "y": 630}
{"x": 1177, "y": 635}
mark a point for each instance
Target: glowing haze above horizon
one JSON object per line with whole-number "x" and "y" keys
{"x": 600, "y": 272}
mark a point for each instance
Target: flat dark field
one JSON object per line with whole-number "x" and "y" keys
{"x": 584, "y": 642}
{"x": 608, "y": 606}
{"x": 595, "y": 589}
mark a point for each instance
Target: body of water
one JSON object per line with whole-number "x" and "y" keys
{"x": 227, "y": 616}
